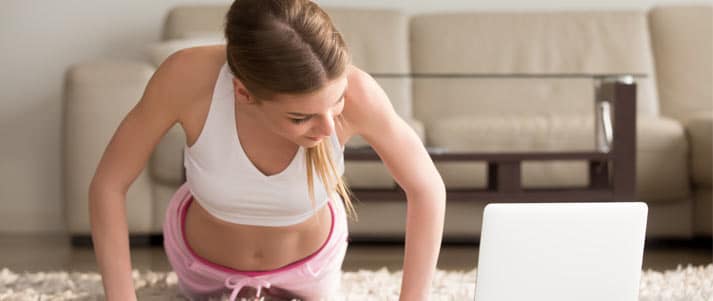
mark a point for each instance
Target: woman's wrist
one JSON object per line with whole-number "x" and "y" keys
{"x": 414, "y": 296}
{"x": 129, "y": 296}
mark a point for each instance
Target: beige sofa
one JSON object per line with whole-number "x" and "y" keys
{"x": 670, "y": 46}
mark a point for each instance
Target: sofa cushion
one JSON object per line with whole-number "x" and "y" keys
{"x": 682, "y": 40}
{"x": 184, "y": 21}
{"x": 661, "y": 160}
{"x": 513, "y": 133}
{"x": 700, "y": 133}
{"x": 367, "y": 174}
{"x": 377, "y": 38}
{"x": 436, "y": 99}
{"x": 661, "y": 151}
{"x": 493, "y": 46}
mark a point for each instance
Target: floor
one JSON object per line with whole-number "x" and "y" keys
{"x": 50, "y": 253}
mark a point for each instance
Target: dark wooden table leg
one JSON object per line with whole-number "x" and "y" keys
{"x": 504, "y": 177}
{"x": 599, "y": 175}
{"x": 623, "y": 96}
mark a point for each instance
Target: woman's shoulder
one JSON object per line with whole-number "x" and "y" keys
{"x": 188, "y": 75}
{"x": 359, "y": 85}
{"x": 364, "y": 97}
{"x": 193, "y": 69}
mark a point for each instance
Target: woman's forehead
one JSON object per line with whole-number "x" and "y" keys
{"x": 325, "y": 97}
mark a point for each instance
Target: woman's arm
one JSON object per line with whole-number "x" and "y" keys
{"x": 121, "y": 163}
{"x": 370, "y": 114}
{"x": 111, "y": 243}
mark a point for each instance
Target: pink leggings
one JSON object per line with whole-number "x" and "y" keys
{"x": 316, "y": 277}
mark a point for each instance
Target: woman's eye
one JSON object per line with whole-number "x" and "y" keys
{"x": 298, "y": 121}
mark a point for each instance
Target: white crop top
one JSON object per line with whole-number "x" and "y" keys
{"x": 227, "y": 184}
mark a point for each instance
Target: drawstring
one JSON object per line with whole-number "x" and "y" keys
{"x": 237, "y": 286}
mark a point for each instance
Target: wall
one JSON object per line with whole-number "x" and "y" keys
{"x": 40, "y": 39}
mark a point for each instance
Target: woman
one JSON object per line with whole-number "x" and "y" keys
{"x": 264, "y": 209}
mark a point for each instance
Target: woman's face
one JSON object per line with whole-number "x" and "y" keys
{"x": 304, "y": 119}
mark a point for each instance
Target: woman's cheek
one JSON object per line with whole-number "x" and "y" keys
{"x": 297, "y": 129}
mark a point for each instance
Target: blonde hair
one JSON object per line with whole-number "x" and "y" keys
{"x": 292, "y": 47}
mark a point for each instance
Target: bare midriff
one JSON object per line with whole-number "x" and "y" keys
{"x": 239, "y": 246}
{"x": 253, "y": 248}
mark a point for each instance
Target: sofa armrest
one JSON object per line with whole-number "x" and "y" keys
{"x": 97, "y": 96}
{"x": 699, "y": 129}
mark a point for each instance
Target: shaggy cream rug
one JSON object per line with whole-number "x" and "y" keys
{"x": 691, "y": 283}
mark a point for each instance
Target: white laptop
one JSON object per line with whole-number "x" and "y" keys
{"x": 561, "y": 251}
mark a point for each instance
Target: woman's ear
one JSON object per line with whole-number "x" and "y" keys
{"x": 241, "y": 93}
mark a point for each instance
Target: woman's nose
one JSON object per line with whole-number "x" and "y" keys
{"x": 326, "y": 125}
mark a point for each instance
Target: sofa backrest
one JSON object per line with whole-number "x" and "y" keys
{"x": 493, "y": 45}
{"x": 188, "y": 21}
{"x": 682, "y": 39}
